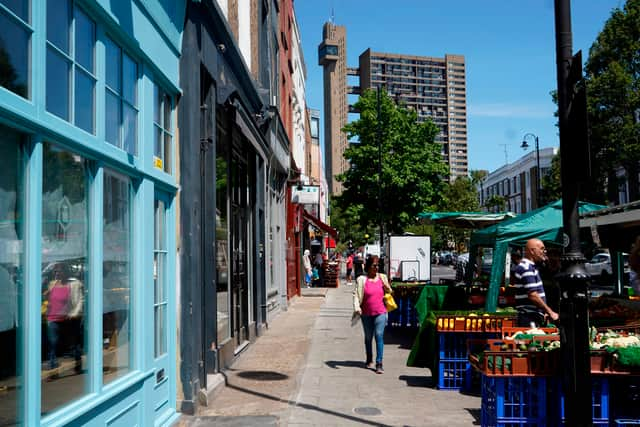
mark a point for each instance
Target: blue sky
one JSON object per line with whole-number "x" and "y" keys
{"x": 509, "y": 48}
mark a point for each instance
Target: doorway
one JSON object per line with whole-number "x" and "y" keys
{"x": 239, "y": 244}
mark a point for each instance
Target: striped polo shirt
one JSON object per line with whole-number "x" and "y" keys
{"x": 527, "y": 280}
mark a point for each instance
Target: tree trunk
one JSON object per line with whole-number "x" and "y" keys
{"x": 632, "y": 179}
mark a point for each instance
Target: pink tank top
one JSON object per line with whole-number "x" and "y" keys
{"x": 372, "y": 303}
{"x": 58, "y": 303}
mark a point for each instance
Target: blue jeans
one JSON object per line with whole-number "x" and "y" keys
{"x": 374, "y": 326}
{"x": 53, "y": 333}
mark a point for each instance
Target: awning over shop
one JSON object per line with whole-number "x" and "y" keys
{"x": 466, "y": 219}
{"x": 319, "y": 224}
{"x": 544, "y": 223}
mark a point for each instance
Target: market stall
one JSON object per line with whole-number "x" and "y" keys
{"x": 544, "y": 223}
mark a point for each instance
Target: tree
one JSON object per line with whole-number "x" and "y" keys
{"x": 412, "y": 171}
{"x": 613, "y": 103}
{"x": 496, "y": 203}
{"x": 551, "y": 186}
{"x": 459, "y": 196}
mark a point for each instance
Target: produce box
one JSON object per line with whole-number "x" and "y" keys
{"x": 538, "y": 356}
{"x": 473, "y": 322}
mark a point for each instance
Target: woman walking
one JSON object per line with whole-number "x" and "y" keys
{"x": 368, "y": 303}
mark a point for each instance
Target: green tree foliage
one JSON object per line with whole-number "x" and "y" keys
{"x": 613, "y": 90}
{"x": 496, "y": 203}
{"x": 460, "y": 196}
{"x": 412, "y": 170}
{"x": 551, "y": 186}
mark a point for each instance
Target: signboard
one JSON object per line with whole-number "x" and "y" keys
{"x": 307, "y": 194}
{"x": 410, "y": 258}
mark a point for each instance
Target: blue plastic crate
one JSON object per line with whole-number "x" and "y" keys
{"x": 626, "y": 422}
{"x": 452, "y": 345}
{"x": 600, "y": 398}
{"x": 513, "y": 401}
{"x": 454, "y": 375}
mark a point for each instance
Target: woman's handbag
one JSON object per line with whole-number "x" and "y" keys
{"x": 389, "y": 302}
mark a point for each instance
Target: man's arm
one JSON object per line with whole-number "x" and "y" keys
{"x": 535, "y": 299}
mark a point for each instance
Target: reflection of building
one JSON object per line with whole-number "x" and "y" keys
{"x": 87, "y": 149}
{"x": 517, "y": 181}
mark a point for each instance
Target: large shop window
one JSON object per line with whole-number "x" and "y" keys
{"x": 70, "y": 79}
{"x": 222, "y": 238}
{"x": 116, "y": 277}
{"x": 64, "y": 273}
{"x": 160, "y": 279}
{"x": 15, "y": 46}
{"x": 11, "y": 268}
{"x": 163, "y": 133}
{"x": 121, "y": 100}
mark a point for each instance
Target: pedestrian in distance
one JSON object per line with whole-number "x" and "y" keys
{"x": 531, "y": 301}
{"x": 349, "y": 264}
{"x": 369, "y": 305}
{"x": 308, "y": 271}
{"x": 358, "y": 262}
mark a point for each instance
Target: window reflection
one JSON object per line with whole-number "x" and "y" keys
{"x": 222, "y": 239}
{"x": 116, "y": 277}
{"x": 10, "y": 275}
{"x": 159, "y": 279}
{"x": 15, "y": 40}
{"x": 64, "y": 294}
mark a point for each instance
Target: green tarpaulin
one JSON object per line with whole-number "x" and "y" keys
{"x": 544, "y": 223}
{"x": 465, "y": 219}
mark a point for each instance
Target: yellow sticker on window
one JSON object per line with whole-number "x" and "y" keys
{"x": 157, "y": 162}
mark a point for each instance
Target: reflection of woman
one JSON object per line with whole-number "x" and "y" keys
{"x": 367, "y": 302}
{"x": 58, "y": 297}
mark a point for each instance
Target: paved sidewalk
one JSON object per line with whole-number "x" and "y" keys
{"x": 308, "y": 370}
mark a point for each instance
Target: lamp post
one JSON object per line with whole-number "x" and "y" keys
{"x": 379, "y": 137}
{"x": 524, "y": 146}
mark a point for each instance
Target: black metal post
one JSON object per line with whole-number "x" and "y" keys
{"x": 538, "y": 175}
{"x": 380, "y": 217}
{"x": 573, "y": 279}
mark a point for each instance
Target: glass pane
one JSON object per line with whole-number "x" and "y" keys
{"x": 167, "y": 113}
{"x": 160, "y": 346}
{"x": 129, "y": 127}
{"x": 58, "y": 23}
{"x": 112, "y": 53}
{"x": 159, "y": 241}
{"x": 159, "y": 291}
{"x": 157, "y": 138}
{"x": 157, "y": 105}
{"x": 58, "y": 70}
{"x": 129, "y": 79}
{"x": 84, "y": 105}
{"x": 116, "y": 278}
{"x": 222, "y": 243}
{"x": 14, "y": 48}
{"x": 167, "y": 152}
{"x": 112, "y": 119}
{"x": 64, "y": 262}
{"x": 10, "y": 275}
{"x": 19, "y": 7}
{"x": 85, "y": 40}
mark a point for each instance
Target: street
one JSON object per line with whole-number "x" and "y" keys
{"x": 308, "y": 370}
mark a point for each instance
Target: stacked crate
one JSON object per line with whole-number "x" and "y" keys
{"x": 405, "y": 316}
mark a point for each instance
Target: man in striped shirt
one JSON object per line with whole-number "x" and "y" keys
{"x": 530, "y": 298}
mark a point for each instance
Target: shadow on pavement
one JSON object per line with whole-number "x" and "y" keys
{"x": 401, "y": 337}
{"x": 263, "y": 375}
{"x": 337, "y": 364}
{"x": 308, "y": 406}
{"x": 418, "y": 380}
{"x": 475, "y": 413}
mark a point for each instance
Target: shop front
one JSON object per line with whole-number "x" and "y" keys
{"x": 87, "y": 192}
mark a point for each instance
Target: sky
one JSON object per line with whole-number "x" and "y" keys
{"x": 509, "y": 49}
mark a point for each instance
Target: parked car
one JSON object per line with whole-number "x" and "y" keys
{"x": 600, "y": 265}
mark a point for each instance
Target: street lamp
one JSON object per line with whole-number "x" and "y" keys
{"x": 524, "y": 146}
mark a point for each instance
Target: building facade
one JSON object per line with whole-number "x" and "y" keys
{"x": 434, "y": 87}
{"x": 332, "y": 55}
{"x": 88, "y": 191}
{"x": 234, "y": 165}
{"x": 517, "y": 182}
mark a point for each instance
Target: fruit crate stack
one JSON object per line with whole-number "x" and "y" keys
{"x": 406, "y": 315}
{"x": 454, "y": 370}
{"x": 331, "y": 271}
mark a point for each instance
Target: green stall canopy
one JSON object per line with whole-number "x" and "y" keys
{"x": 465, "y": 219}
{"x": 544, "y": 223}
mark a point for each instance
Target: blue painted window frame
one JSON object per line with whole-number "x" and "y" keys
{"x": 27, "y": 26}
{"x": 163, "y": 112}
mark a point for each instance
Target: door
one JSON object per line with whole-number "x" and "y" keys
{"x": 239, "y": 237}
